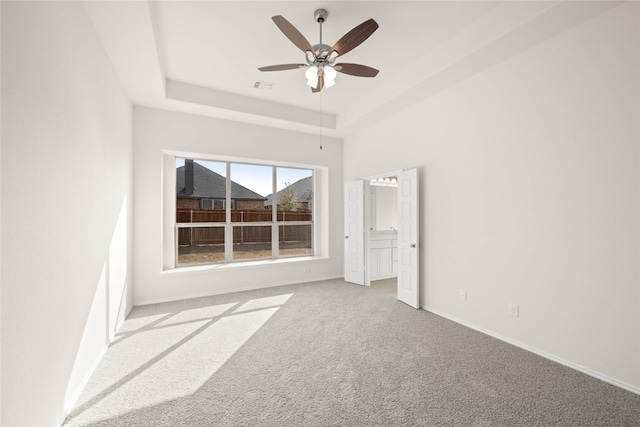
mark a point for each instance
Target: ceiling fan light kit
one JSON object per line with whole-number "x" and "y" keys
{"x": 321, "y": 67}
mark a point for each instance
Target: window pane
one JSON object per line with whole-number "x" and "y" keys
{"x": 200, "y": 190}
{"x": 251, "y": 242}
{"x": 295, "y": 194}
{"x": 200, "y": 245}
{"x": 249, "y": 186}
{"x": 295, "y": 240}
{"x": 201, "y": 196}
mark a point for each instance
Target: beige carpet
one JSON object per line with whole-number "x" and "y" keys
{"x": 330, "y": 354}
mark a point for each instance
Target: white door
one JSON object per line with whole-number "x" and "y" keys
{"x": 354, "y": 232}
{"x": 408, "y": 284}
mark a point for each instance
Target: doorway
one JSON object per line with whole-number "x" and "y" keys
{"x": 382, "y": 263}
{"x": 370, "y": 253}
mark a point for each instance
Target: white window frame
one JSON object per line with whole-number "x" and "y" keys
{"x": 218, "y": 202}
{"x": 229, "y": 225}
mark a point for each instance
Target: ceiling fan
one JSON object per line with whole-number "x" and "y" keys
{"x": 321, "y": 58}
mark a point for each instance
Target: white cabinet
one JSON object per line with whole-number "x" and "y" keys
{"x": 394, "y": 258}
{"x": 383, "y": 256}
{"x": 374, "y": 261}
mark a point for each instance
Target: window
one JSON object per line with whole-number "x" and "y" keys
{"x": 232, "y": 212}
{"x": 207, "y": 204}
{"x": 219, "y": 204}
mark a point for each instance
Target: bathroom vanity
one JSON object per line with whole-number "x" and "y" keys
{"x": 383, "y": 254}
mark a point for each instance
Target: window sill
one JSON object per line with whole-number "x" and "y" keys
{"x": 243, "y": 265}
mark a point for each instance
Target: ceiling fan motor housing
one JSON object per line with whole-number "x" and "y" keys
{"x": 322, "y": 51}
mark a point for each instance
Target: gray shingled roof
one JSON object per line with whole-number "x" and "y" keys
{"x": 304, "y": 191}
{"x": 208, "y": 184}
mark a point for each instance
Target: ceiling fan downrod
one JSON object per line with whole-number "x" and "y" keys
{"x": 321, "y": 50}
{"x": 320, "y": 16}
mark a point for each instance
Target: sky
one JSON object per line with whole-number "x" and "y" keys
{"x": 255, "y": 177}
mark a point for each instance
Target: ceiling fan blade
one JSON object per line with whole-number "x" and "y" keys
{"x": 356, "y": 36}
{"x": 282, "y": 67}
{"x": 292, "y": 33}
{"x": 356, "y": 70}
{"x": 318, "y": 88}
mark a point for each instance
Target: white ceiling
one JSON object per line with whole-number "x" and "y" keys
{"x": 202, "y": 57}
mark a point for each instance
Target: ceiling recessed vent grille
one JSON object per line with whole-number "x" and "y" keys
{"x": 262, "y": 85}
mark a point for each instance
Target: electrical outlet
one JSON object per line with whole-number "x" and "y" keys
{"x": 463, "y": 295}
{"x": 514, "y": 310}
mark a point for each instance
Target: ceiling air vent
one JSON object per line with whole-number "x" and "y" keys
{"x": 262, "y": 85}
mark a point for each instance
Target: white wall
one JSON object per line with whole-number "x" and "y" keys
{"x": 158, "y": 136}
{"x": 530, "y": 195}
{"x": 66, "y": 207}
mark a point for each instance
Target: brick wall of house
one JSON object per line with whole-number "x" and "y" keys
{"x": 187, "y": 204}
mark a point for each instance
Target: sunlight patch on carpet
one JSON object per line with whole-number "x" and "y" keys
{"x": 173, "y": 358}
{"x": 260, "y": 303}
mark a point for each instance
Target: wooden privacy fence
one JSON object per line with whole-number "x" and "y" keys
{"x": 186, "y": 215}
{"x": 246, "y": 233}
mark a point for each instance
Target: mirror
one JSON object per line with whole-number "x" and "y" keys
{"x": 384, "y": 204}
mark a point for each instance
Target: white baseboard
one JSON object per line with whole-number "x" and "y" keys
{"x": 232, "y": 290}
{"x": 539, "y": 352}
